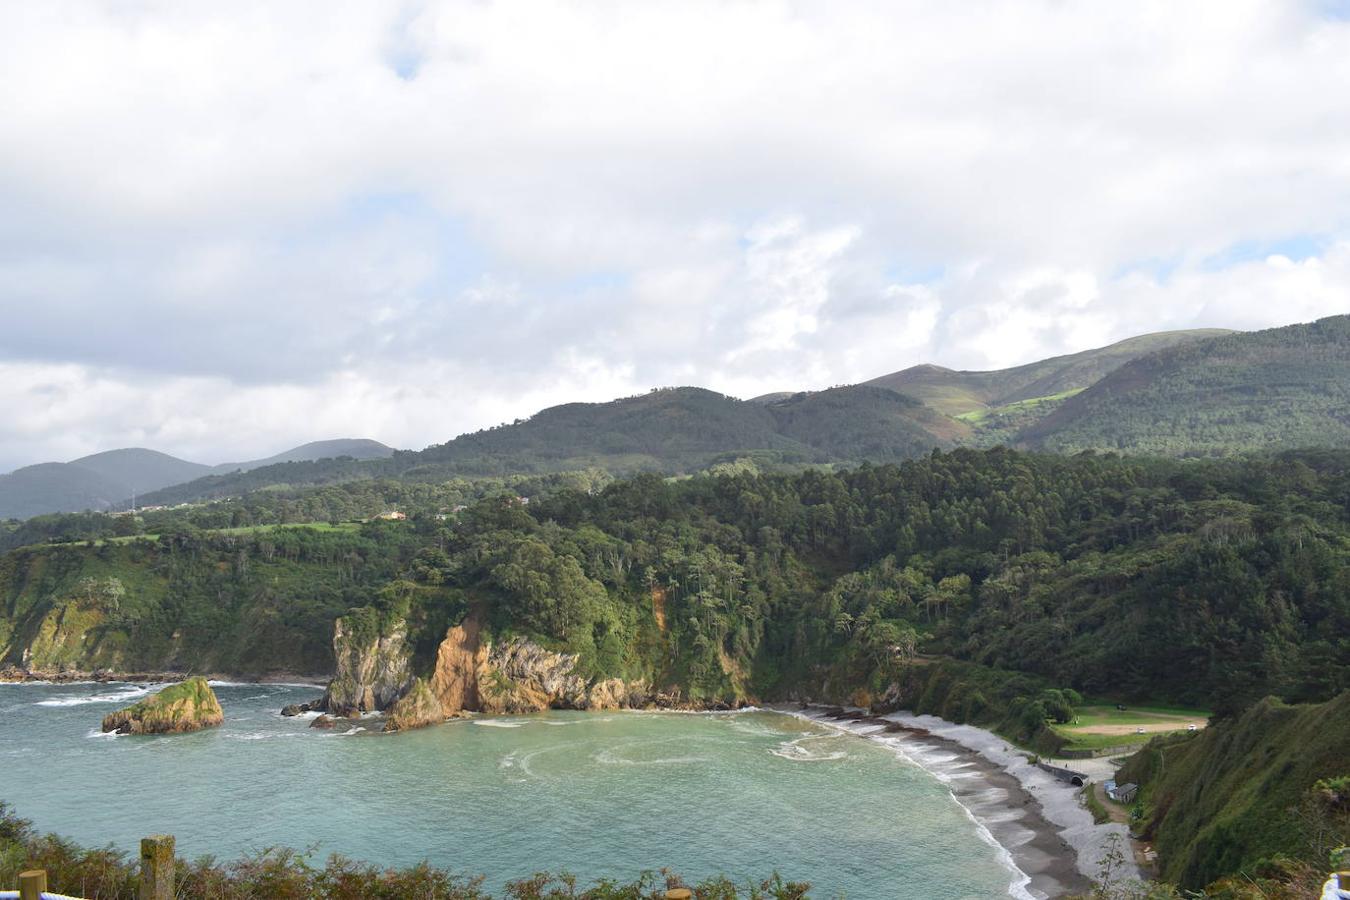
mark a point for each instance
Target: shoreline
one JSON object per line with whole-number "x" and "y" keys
{"x": 23, "y": 676}
{"x": 1048, "y": 836}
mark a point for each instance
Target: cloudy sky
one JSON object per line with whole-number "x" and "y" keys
{"x": 230, "y": 228}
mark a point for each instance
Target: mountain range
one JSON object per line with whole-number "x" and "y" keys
{"x": 1208, "y": 392}
{"x": 106, "y": 480}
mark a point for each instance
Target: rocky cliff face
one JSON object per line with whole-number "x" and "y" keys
{"x": 520, "y": 676}
{"x": 470, "y": 675}
{"x": 415, "y": 709}
{"x": 458, "y": 661}
{"x": 373, "y": 670}
{"x": 187, "y": 706}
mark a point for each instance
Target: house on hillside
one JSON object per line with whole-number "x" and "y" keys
{"x": 392, "y": 515}
{"x": 1121, "y": 793}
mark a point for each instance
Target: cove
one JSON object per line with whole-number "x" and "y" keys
{"x": 596, "y": 794}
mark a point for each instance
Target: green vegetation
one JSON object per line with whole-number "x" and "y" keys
{"x": 1099, "y": 727}
{"x": 992, "y": 587}
{"x": 1099, "y": 814}
{"x": 1271, "y": 782}
{"x": 186, "y": 706}
{"x": 671, "y": 430}
{"x": 1207, "y": 584}
{"x": 1281, "y": 388}
{"x": 1030, "y": 405}
{"x": 959, "y": 393}
{"x": 108, "y": 480}
{"x": 282, "y": 874}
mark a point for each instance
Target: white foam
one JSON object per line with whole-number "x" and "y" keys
{"x": 119, "y": 697}
{"x": 794, "y": 750}
{"x": 932, "y": 762}
{"x": 1059, "y": 802}
{"x": 607, "y": 758}
{"x": 500, "y": 723}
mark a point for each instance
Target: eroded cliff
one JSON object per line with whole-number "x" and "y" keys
{"x": 471, "y": 673}
{"x": 374, "y": 666}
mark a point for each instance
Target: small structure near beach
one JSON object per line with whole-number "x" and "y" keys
{"x": 186, "y": 706}
{"x": 1121, "y": 793}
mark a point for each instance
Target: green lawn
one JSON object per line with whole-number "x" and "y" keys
{"x": 976, "y": 416}
{"x": 243, "y": 529}
{"x": 1100, "y": 725}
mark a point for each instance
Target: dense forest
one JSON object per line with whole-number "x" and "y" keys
{"x": 1211, "y": 583}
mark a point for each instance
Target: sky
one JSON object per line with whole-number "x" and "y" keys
{"x": 227, "y": 229}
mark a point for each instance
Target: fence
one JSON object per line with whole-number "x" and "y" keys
{"x": 156, "y": 875}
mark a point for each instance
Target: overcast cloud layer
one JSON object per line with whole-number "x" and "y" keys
{"x": 230, "y": 228}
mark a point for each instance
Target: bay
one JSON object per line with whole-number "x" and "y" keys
{"x": 598, "y": 794}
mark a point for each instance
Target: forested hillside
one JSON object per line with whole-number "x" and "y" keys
{"x": 1273, "y": 782}
{"x": 1185, "y": 393}
{"x": 674, "y": 430}
{"x": 1281, "y": 388}
{"x": 1201, "y": 583}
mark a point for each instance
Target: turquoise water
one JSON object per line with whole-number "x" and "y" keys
{"x": 599, "y": 794}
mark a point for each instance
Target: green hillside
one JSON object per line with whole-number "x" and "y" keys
{"x": 1280, "y": 388}
{"x": 1206, "y": 585}
{"x": 861, "y": 422}
{"x": 956, "y": 393}
{"x": 1222, "y": 800}
{"x": 672, "y": 431}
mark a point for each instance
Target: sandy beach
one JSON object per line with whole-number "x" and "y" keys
{"x": 1038, "y": 820}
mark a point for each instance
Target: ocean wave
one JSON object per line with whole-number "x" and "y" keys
{"x": 261, "y": 735}
{"x": 500, "y": 723}
{"x": 794, "y": 750}
{"x": 119, "y": 697}
{"x": 607, "y": 758}
{"x": 756, "y": 727}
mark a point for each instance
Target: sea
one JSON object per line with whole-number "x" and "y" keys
{"x": 600, "y": 795}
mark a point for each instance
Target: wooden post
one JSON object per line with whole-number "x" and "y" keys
{"x": 157, "y": 867}
{"x": 679, "y": 894}
{"x": 32, "y": 884}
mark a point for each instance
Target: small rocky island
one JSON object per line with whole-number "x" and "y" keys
{"x": 186, "y": 706}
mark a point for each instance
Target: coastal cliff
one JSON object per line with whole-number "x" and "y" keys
{"x": 373, "y": 665}
{"x": 471, "y": 673}
{"x": 187, "y": 706}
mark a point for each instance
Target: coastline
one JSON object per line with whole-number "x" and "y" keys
{"x": 1049, "y": 837}
{"x": 13, "y": 675}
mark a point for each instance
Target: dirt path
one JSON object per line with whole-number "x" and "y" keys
{"x": 1174, "y": 723}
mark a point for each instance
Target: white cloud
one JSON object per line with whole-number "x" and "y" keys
{"x": 227, "y": 229}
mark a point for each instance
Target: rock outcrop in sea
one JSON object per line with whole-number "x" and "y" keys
{"x": 187, "y": 706}
{"x": 373, "y": 669}
{"x": 472, "y": 673}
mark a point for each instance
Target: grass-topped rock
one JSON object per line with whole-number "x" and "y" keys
{"x": 187, "y": 706}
